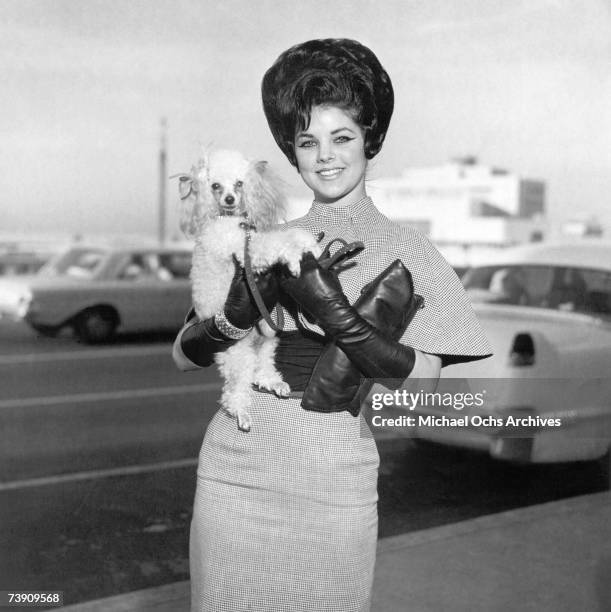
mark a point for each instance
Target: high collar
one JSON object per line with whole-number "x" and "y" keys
{"x": 359, "y": 211}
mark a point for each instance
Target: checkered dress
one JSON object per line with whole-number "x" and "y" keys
{"x": 285, "y": 516}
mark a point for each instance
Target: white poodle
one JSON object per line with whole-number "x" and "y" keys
{"x": 228, "y": 200}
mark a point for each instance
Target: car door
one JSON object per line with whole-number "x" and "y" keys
{"x": 174, "y": 269}
{"x": 142, "y": 294}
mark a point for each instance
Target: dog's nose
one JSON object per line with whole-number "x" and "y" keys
{"x": 229, "y": 200}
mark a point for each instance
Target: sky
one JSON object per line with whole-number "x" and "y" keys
{"x": 521, "y": 84}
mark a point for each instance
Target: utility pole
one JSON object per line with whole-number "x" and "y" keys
{"x": 162, "y": 181}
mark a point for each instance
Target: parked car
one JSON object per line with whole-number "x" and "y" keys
{"x": 546, "y": 309}
{"x": 20, "y": 262}
{"x": 98, "y": 290}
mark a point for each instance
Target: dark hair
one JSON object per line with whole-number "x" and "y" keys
{"x": 333, "y": 71}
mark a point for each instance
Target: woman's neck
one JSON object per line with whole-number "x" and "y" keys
{"x": 345, "y": 201}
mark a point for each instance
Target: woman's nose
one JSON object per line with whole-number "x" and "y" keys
{"x": 325, "y": 153}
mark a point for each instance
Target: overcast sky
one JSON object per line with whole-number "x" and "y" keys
{"x": 522, "y": 84}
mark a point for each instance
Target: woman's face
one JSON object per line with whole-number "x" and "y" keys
{"x": 330, "y": 156}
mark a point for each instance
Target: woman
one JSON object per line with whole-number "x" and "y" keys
{"x": 285, "y": 516}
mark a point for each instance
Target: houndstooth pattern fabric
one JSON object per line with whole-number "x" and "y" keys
{"x": 447, "y": 324}
{"x": 285, "y": 516}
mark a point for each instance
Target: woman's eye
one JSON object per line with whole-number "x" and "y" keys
{"x": 306, "y": 143}
{"x": 341, "y": 139}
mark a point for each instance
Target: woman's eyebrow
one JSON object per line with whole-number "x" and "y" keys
{"x": 308, "y": 135}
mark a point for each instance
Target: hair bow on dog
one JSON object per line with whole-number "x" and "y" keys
{"x": 187, "y": 184}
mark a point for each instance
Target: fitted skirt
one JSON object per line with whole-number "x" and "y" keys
{"x": 285, "y": 516}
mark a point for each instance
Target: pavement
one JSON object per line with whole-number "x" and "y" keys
{"x": 553, "y": 557}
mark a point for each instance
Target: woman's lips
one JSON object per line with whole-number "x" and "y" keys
{"x": 330, "y": 173}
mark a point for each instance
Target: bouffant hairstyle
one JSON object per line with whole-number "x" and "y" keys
{"x": 336, "y": 72}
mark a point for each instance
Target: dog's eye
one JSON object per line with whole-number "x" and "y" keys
{"x": 239, "y": 184}
{"x": 216, "y": 186}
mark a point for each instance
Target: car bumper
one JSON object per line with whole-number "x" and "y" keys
{"x": 15, "y": 304}
{"x": 10, "y": 312}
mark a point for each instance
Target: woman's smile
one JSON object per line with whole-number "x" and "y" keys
{"x": 330, "y": 173}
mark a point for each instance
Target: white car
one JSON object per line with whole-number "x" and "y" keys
{"x": 546, "y": 309}
{"x": 98, "y": 290}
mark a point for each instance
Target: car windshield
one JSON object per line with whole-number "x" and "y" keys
{"x": 79, "y": 262}
{"x": 555, "y": 287}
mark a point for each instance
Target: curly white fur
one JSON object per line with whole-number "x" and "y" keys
{"x": 222, "y": 192}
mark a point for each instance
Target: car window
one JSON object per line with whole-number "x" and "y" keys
{"x": 78, "y": 262}
{"x": 556, "y": 287}
{"x": 502, "y": 284}
{"x": 537, "y": 282}
{"x": 177, "y": 264}
{"x": 156, "y": 266}
{"x": 595, "y": 287}
{"x": 139, "y": 266}
{"x": 460, "y": 270}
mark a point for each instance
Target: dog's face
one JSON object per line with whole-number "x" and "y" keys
{"x": 225, "y": 183}
{"x": 224, "y": 175}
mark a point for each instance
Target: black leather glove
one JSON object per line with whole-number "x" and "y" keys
{"x": 240, "y": 307}
{"x": 319, "y": 293}
{"x": 388, "y": 303}
{"x": 203, "y": 340}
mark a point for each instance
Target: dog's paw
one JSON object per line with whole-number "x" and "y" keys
{"x": 294, "y": 256}
{"x": 294, "y": 266}
{"x": 282, "y": 389}
{"x": 276, "y": 386}
{"x": 244, "y": 421}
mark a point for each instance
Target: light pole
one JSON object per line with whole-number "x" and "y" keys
{"x": 162, "y": 182}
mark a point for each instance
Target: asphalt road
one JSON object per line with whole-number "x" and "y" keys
{"x": 97, "y": 458}
{"x": 67, "y": 408}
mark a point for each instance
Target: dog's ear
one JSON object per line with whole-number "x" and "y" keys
{"x": 188, "y": 190}
{"x": 260, "y": 166}
{"x": 264, "y": 195}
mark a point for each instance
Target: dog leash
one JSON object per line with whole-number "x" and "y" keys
{"x": 256, "y": 294}
{"x": 326, "y": 260}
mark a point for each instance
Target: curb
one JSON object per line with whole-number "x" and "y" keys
{"x": 570, "y": 505}
{"x": 163, "y": 596}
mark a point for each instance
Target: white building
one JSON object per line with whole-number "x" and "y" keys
{"x": 463, "y": 202}
{"x": 463, "y": 206}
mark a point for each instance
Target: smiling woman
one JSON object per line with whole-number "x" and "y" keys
{"x": 261, "y": 540}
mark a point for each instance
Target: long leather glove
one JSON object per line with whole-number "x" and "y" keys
{"x": 319, "y": 293}
{"x": 203, "y": 340}
{"x": 389, "y": 303}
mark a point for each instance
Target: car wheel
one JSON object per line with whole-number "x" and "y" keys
{"x": 95, "y": 325}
